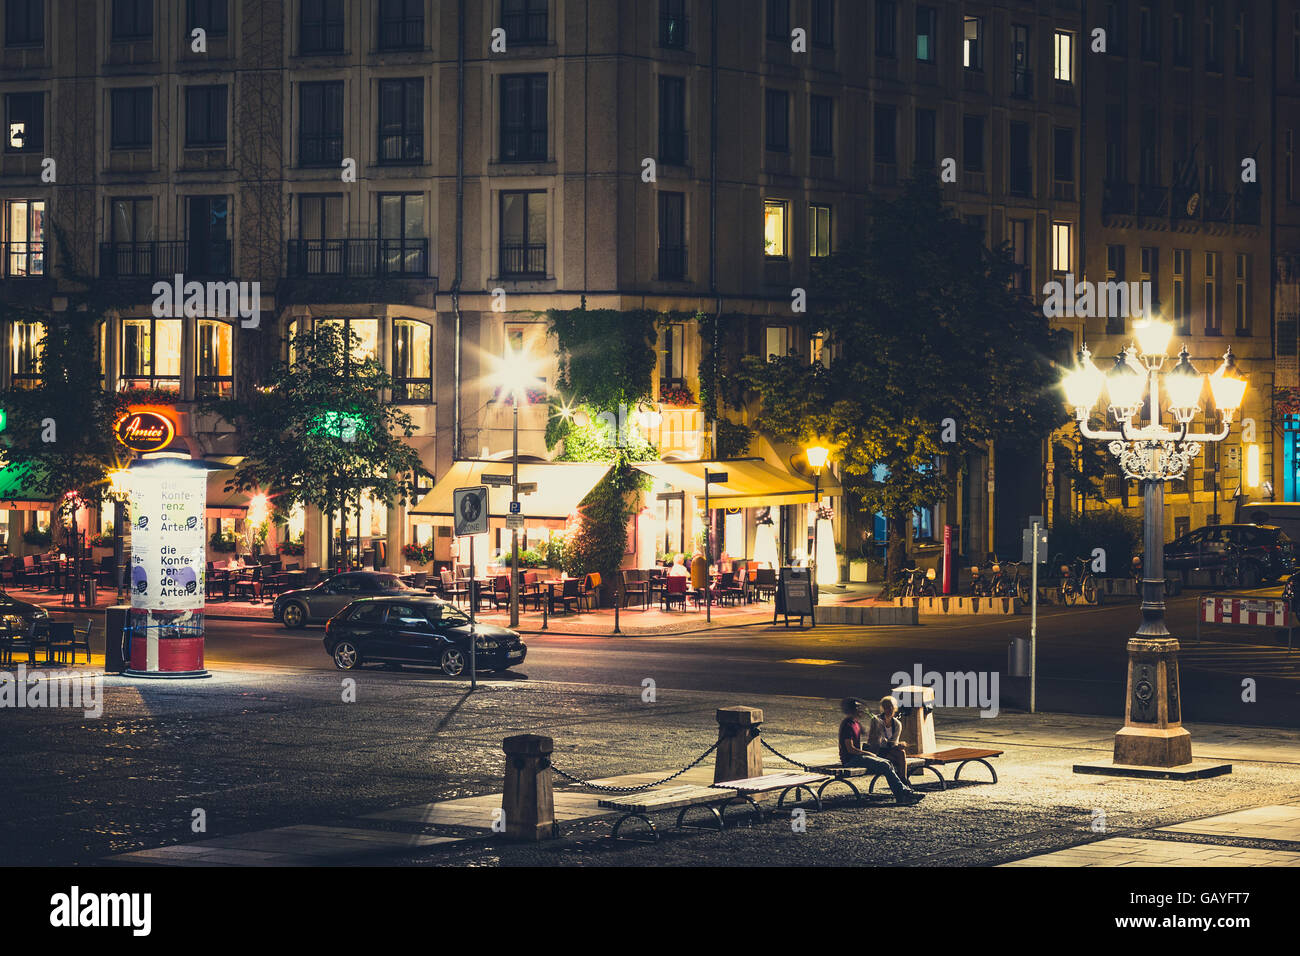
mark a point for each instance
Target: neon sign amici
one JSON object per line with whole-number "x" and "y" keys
{"x": 145, "y": 431}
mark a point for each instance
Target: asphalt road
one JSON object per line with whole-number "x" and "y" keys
{"x": 1081, "y": 660}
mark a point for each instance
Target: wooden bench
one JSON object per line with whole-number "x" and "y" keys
{"x": 781, "y": 783}
{"x": 961, "y": 756}
{"x": 640, "y": 805}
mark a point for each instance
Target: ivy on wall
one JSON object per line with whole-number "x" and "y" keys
{"x": 717, "y": 386}
{"x": 607, "y": 355}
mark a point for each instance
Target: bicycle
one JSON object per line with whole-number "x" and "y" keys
{"x": 1080, "y": 584}
{"x": 918, "y": 583}
{"x": 1018, "y": 584}
{"x": 978, "y": 586}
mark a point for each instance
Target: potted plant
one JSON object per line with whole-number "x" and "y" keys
{"x": 295, "y": 548}
{"x": 418, "y": 554}
{"x": 223, "y": 543}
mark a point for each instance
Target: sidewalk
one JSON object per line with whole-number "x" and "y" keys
{"x": 1038, "y": 814}
{"x": 633, "y": 621}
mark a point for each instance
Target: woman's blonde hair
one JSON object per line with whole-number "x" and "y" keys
{"x": 888, "y": 700}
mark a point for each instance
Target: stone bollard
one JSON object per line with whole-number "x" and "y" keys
{"x": 528, "y": 802}
{"x": 916, "y": 714}
{"x": 740, "y": 751}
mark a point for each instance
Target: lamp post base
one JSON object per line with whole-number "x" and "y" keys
{"x": 1153, "y": 747}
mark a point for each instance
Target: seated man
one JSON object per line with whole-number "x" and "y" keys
{"x": 884, "y": 733}
{"x": 678, "y": 570}
{"x": 852, "y": 754}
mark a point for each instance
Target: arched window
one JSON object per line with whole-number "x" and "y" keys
{"x": 412, "y": 361}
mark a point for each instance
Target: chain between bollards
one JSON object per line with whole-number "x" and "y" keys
{"x": 605, "y": 788}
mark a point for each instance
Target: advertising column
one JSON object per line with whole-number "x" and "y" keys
{"x": 168, "y": 501}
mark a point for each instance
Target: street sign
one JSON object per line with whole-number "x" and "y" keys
{"x": 1027, "y": 545}
{"x": 514, "y": 510}
{"x": 716, "y": 477}
{"x": 528, "y": 487}
{"x": 470, "y": 511}
{"x": 497, "y": 481}
{"x": 514, "y": 522}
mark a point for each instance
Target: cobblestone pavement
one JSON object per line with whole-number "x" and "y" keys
{"x": 280, "y": 750}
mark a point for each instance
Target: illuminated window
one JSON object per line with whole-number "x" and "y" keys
{"x": 672, "y": 348}
{"x": 24, "y": 238}
{"x": 25, "y": 116}
{"x": 26, "y": 349}
{"x": 362, "y": 333}
{"x": 1064, "y": 56}
{"x": 1061, "y": 246}
{"x": 412, "y": 361}
{"x": 972, "y": 48}
{"x": 778, "y": 341}
{"x": 774, "y": 228}
{"x": 151, "y": 354}
{"x": 214, "y": 359}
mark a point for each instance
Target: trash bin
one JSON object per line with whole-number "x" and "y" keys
{"x": 91, "y": 591}
{"x": 1018, "y": 657}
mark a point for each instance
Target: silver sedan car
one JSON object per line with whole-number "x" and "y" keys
{"x": 318, "y": 604}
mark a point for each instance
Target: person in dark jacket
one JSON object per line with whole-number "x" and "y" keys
{"x": 852, "y": 754}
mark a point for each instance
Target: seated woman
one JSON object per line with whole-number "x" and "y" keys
{"x": 678, "y": 570}
{"x": 884, "y": 733}
{"x": 852, "y": 754}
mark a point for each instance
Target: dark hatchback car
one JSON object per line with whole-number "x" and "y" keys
{"x": 417, "y": 629}
{"x": 321, "y": 602}
{"x": 19, "y": 615}
{"x": 1267, "y": 553}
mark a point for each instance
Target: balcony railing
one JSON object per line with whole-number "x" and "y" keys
{"x": 1176, "y": 203}
{"x": 147, "y": 260}
{"x": 22, "y": 260}
{"x": 518, "y": 259}
{"x": 358, "y": 258}
{"x": 523, "y": 146}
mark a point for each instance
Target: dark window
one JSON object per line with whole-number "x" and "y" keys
{"x": 672, "y": 24}
{"x": 209, "y": 236}
{"x": 926, "y": 19}
{"x": 1182, "y": 20}
{"x": 821, "y": 125}
{"x": 401, "y": 121}
{"x": 886, "y": 28}
{"x": 132, "y": 19}
{"x": 523, "y": 118}
{"x": 24, "y": 122}
{"x": 524, "y": 20}
{"x": 1214, "y": 35}
{"x": 404, "y": 245}
{"x": 1241, "y": 41}
{"x": 819, "y": 230}
{"x": 1063, "y": 154}
{"x": 523, "y": 233}
{"x": 1115, "y": 167}
{"x": 672, "y": 236}
{"x": 1115, "y": 272}
{"x": 320, "y": 140}
{"x": 1116, "y": 22}
{"x": 778, "y": 120}
{"x": 321, "y": 28}
{"x": 778, "y": 19}
{"x": 24, "y": 22}
{"x": 672, "y": 120}
{"x": 1149, "y": 148}
{"x": 823, "y": 23}
{"x": 132, "y": 123}
{"x": 885, "y": 129}
{"x": 973, "y": 144}
{"x": 925, "y": 138}
{"x": 205, "y": 116}
{"x": 1022, "y": 83}
{"x": 1020, "y": 175}
{"x": 401, "y": 24}
{"x": 1149, "y": 32}
{"x": 210, "y": 15}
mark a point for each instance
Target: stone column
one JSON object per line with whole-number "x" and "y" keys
{"x": 1153, "y": 734}
{"x": 528, "y": 801}
{"x": 740, "y": 750}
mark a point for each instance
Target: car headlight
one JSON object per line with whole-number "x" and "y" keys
{"x": 487, "y": 645}
{"x": 40, "y": 612}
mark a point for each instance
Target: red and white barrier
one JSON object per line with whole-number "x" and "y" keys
{"x": 1251, "y": 613}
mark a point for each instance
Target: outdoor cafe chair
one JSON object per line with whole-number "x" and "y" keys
{"x": 590, "y": 588}
{"x": 26, "y": 639}
{"x": 500, "y": 593}
{"x": 250, "y": 581}
{"x": 62, "y": 641}
{"x": 765, "y": 582}
{"x": 453, "y": 589}
{"x": 419, "y": 579}
{"x": 531, "y": 589}
{"x": 674, "y": 591}
{"x": 569, "y": 594}
{"x": 635, "y": 584}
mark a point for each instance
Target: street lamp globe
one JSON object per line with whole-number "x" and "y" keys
{"x": 1083, "y": 383}
{"x": 1153, "y": 337}
{"x": 817, "y": 455}
{"x": 1125, "y": 385}
{"x": 1228, "y": 386}
{"x": 1184, "y": 385}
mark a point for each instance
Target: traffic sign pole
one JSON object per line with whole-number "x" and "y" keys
{"x": 473, "y": 606}
{"x": 514, "y": 532}
{"x": 1033, "y": 629}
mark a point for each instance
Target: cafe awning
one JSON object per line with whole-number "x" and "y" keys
{"x": 751, "y": 482}
{"x": 561, "y": 486}
{"x": 15, "y": 497}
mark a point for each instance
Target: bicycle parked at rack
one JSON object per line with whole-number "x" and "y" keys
{"x": 1079, "y": 582}
{"x": 978, "y": 586}
{"x": 917, "y": 583}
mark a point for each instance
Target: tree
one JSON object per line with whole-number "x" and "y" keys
{"x": 59, "y": 442}
{"x": 319, "y": 433}
{"x": 932, "y": 353}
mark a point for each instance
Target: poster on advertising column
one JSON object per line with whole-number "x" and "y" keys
{"x": 167, "y": 543}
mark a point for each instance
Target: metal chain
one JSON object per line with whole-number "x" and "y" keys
{"x": 801, "y": 766}
{"x": 608, "y": 789}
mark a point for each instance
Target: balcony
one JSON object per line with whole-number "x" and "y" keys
{"x": 358, "y": 258}
{"x": 523, "y": 146}
{"x": 151, "y": 260}
{"x": 1180, "y": 203}
{"x": 22, "y": 260}
{"x": 523, "y": 259}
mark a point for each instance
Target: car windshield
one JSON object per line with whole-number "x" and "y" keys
{"x": 449, "y": 616}
{"x": 389, "y": 582}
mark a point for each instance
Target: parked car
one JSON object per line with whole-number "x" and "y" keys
{"x": 20, "y": 614}
{"x": 1266, "y": 553}
{"x": 317, "y": 604}
{"x": 418, "y": 629}
{"x": 1277, "y": 514}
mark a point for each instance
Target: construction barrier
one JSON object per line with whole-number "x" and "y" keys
{"x": 1246, "y": 612}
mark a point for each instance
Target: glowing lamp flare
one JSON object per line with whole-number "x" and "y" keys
{"x": 1153, "y": 337}
{"x": 817, "y": 455}
{"x": 1184, "y": 384}
{"x": 1083, "y": 383}
{"x": 1124, "y": 382}
{"x": 1228, "y": 385}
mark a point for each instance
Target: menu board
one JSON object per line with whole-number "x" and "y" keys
{"x": 794, "y": 595}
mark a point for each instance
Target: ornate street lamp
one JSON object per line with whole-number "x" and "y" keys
{"x": 1153, "y": 453}
{"x": 516, "y": 372}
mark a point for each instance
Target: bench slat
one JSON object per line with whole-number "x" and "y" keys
{"x": 772, "y": 781}
{"x": 672, "y": 798}
{"x": 958, "y": 754}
